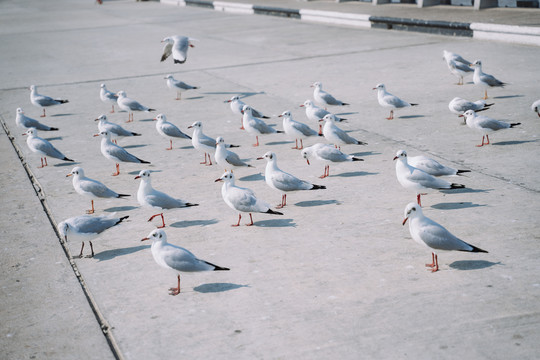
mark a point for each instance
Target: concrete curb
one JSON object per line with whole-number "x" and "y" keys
{"x": 507, "y": 33}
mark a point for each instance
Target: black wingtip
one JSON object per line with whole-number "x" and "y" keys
{"x": 123, "y": 195}
{"x": 135, "y": 134}
{"x": 176, "y": 61}
{"x": 320, "y": 134}
{"x": 475, "y": 249}
{"x": 62, "y": 101}
{"x": 357, "y": 159}
{"x": 233, "y": 146}
{"x": 67, "y": 159}
{"x": 514, "y": 124}
{"x": 53, "y": 129}
{"x": 151, "y": 109}
{"x": 265, "y": 117}
{"x": 270, "y": 211}
{"x": 280, "y": 132}
{"x": 143, "y": 161}
{"x": 190, "y": 204}
{"x": 414, "y": 104}
{"x": 318, "y": 187}
{"x": 217, "y": 268}
{"x": 361, "y": 143}
{"x": 459, "y": 172}
{"x": 345, "y": 103}
{"x": 121, "y": 219}
{"x": 456, "y": 186}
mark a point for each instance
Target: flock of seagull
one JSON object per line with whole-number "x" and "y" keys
{"x": 419, "y": 174}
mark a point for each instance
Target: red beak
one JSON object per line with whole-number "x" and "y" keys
{"x": 138, "y": 177}
{"x": 405, "y": 220}
{"x": 145, "y": 239}
{"x": 395, "y": 157}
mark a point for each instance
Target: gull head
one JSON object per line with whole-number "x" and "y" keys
{"x": 379, "y": 87}
{"x": 411, "y": 210}
{"x": 156, "y": 235}
{"x": 234, "y": 98}
{"x": 477, "y": 63}
{"x": 469, "y": 114}
{"x": 269, "y": 156}
{"x": 103, "y": 86}
{"x": 329, "y": 118}
{"x": 63, "y": 229}
{"x": 31, "y": 132}
{"x": 20, "y": 111}
{"x": 76, "y": 171}
{"x": 285, "y": 114}
{"x": 305, "y": 154}
{"x": 105, "y": 135}
{"x": 168, "y": 39}
{"x": 246, "y": 108}
{"x": 169, "y": 77}
{"x": 143, "y": 175}
{"x": 33, "y": 87}
{"x": 401, "y": 155}
{"x": 227, "y": 177}
{"x": 101, "y": 117}
{"x": 220, "y": 141}
{"x": 160, "y": 117}
{"x": 307, "y": 103}
{"x": 121, "y": 93}
{"x": 317, "y": 84}
{"x": 196, "y": 124}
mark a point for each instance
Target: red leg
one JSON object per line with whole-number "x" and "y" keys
{"x": 82, "y": 247}
{"x": 436, "y": 268}
{"x": 296, "y": 144}
{"x": 117, "y": 170}
{"x": 91, "y": 211}
{"x": 209, "y": 159}
{"x": 301, "y": 145}
{"x": 283, "y": 201}
{"x": 176, "y": 290}
{"x": 112, "y": 111}
{"x": 239, "y": 217}
{"x": 162, "y": 220}
{"x": 482, "y": 142}
{"x": 92, "y": 249}
{"x": 43, "y": 113}
{"x": 418, "y": 200}
{"x": 42, "y": 166}
{"x": 487, "y": 138}
{"x": 257, "y": 143}
{"x": 114, "y": 141}
{"x": 432, "y": 265}
{"x": 250, "y": 218}
{"x": 485, "y": 95}
{"x": 242, "y": 124}
{"x": 391, "y": 115}
{"x": 170, "y": 147}
{"x": 320, "y": 129}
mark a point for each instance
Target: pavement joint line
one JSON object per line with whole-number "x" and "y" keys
{"x": 102, "y": 322}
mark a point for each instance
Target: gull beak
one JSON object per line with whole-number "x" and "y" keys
{"x": 280, "y": 116}
{"x": 154, "y": 119}
{"x": 404, "y": 221}
{"x": 96, "y": 135}
{"x": 321, "y": 120}
{"x": 69, "y": 174}
{"x": 145, "y": 239}
{"x": 25, "y": 134}
{"x": 191, "y": 45}
{"x": 308, "y": 161}
{"x": 374, "y": 89}
{"x": 137, "y": 177}
{"x": 189, "y": 127}
{"x": 302, "y": 105}
{"x": 227, "y": 101}
{"x": 461, "y": 115}
{"x": 395, "y": 157}
{"x": 96, "y": 119}
{"x": 220, "y": 179}
{"x": 260, "y": 158}
{"x": 242, "y": 111}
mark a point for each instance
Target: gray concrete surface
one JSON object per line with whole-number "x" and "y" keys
{"x": 337, "y": 276}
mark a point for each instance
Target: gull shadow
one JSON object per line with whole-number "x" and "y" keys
{"x": 347, "y": 113}
{"x": 133, "y": 146}
{"x": 54, "y": 138}
{"x": 194, "y": 98}
{"x": 188, "y": 223}
{"x": 240, "y": 94}
{"x": 120, "y": 208}
{"x": 254, "y": 177}
{"x": 472, "y": 264}
{"x": 55, "y": 115}
{"x": 455, "y": 205}
{"x": 316, "y": 203}
{"x": 513, "y": 142}
{"x": 279, "y": 143}
{"x": 186, "y": 147}
{"x": 463, "y": 190}
{"x": 147, "y": 120}
{"x": 68, "y": 163}
{"x": 365, "y": 153}
{"x": 111, "y": 254}
{"x": 275, "y": 223}
{"x": 217, "y": 287}
{"x": 410, "y": 116}
{"x": 353, "y": 174}
{"x": 507, "y": 96}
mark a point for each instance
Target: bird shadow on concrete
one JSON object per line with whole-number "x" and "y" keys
{"x": 464, "y": 190}
{"x": 120, "y": 208}
{"x": 365, "y": 153}
{"x": 346, "y": 113}
{"x": 241, "y": 95}
{"x": 275, "y": 223}
{"x": 187, "y": 147}
{"x": 316, "y": 203}
{"x": 54, "y": 138}
{"x": 55, "y": 115}
{"x": 455, "y": 205}
{"x": 279, "y": 143}
{"x": 188, "y": 223}
{"x": 513, "y": 142}
{"x": 111, "y": 254}
{"x": 69, "y": 163}
{"x": 217, "y": 287}
{"x": 193, "y": 98}
{"x": 254, "y": 177}
{"x": 353, "y": 174}
{"x": 147, "y": 120}
{"x": 472, "y": 264}
{"x": 507, "y": 96}
{"x": 134, "y": 146}
{"x": 410, "y": 116}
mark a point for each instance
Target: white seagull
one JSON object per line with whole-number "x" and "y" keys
{"x": 536, "y": 107}
{"x": 176, "y": 258}
{"x": 242, "y": 199}
{"x": 178, "y": 86}
{"x": 418, "y": 180}
{"x": 296, "y": 130}
{"x": 147, "y": 196}
{"x": 112, "y": 128}
{"x": 85, "y": 228}
{"x": 327, "y": 154}
{"x": 91, "y": 188}
{"x": 43, "y": 147}
{"x": 457, "y": 65}
{"x": 335, "y": 135}
{"x": 432, "y": 235}
{"x": 168, "y": 130}
{"x": 458, "y": 105}
{"x": 107, "y": 96}
{"x": 226, "y": 158}
{"x": 484, "y": 80}
{"x": 390, "y": 101}
{"x": 485, "y": 125}
{"x": 202, "y": 142}
{"x": 432, "y": 166}
{"x": 177, "y": 46}
{"x": 130, "y": 105}
{"x": 26, "y": 122}
{"x": 116, "y": 153}
{"x": 315, "y": 113}
{"x": 282, "y": 181}
{"x": 237, "y": 105}
{"x": 43, "y": 101}
{"x": 324, "y": 98}
{"x": 255, "y": 125}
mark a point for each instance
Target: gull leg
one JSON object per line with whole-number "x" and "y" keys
{"x": 482, "y": 142}
{"x": 391, "y": 115}
{"x": 112, "y": 111}
{"x": 43, "y": 165}
{"x": 91, "y": 211}
{"x": 117, "y": 170}
{"x": 242, "y": 124}
{"x": 43, "y": 113}
{"x": 251, "y": 223}
{"x": 178, "y": 95}
{"x": 176, "y": 290}
{"x": 485, "y": 94}
{"x": 92, "y": 249}
{"x": 301, "y": 145}
{"x": 418, "y": 200}
{"x": 170, "y": 147}
{"x": 320, "y": 130}
{"x": 162, "y": 220}
{"x": 296, "y": 144}
{"x": 436, "y": 268}
{"x": 257, "y": 143}
{"x": 432, "y": 265}
{"x": 239, "y": 217}
{"x": 283, "y": 201}
{"x": 82, "y": 247}
{"x": 487, "y": 138}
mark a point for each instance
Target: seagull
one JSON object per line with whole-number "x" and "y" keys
{"x": 177, "y": 46}
{"x": 116, "y": 153}
{"x": 434, "y": 236}
{"x": 390, "y": 101}
{"x": 484, "y": 80}
{"x": 335, "y": 135}
{"x": 315, "y": 113}
{"x": 26, "y": 122}
{"x": 296, "y": 130}
{"x": 242, "y": 199}
{"x": 130, "y": 105}
{"x": 178, "y": 85}
{"x": 43, "y": 101}
{"x": 108, "y": 97}
{"x": 418, "y": 180}
{"x": 282, "y": 181}
{"x": 112, "y": 128}
{"x": 203, "y": 142}
{"x": 485, "y": 125}
{"x": 91, "y": 188}
{"x": 324, "y": 98}
{"x": 237, "y": 105}
{"x": 147, "y": 196}
{"x": 536, "y": 107}
{"x": 433, "y": 167}
{"x": 457, "y": 65}
{"x": 43, "y": 147}
{"x": 459, "y": 106}
{"x": 169, "y": 130}
{"x": 255, "y": 125}
{"x": 226, "y": 158}
{"x": 328, "y": 154}
{"x": 86, "y": 227}
{"x": 176, "y": 258}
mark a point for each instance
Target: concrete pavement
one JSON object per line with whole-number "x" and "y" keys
{"x": 337, "y": 275}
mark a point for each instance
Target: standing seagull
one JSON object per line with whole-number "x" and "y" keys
{"x": 457, "y": 65}
{"x": 432, "y": 235}
{"x": 108, "y": 97}
{"x": 256, "y": 126}
{"x": 147, "y": 196}
{"x": 324, "y": 98}
{"x": 178, "y": 85}
{"x": 177, "y": 46}
{"x": 91, "y": 188}
{"x": 536, "y": 107}
{"x": 112, "y": 128}
{"x": 282, "y": 181}
{"x": 335, "y": 135}
{"x": 130, "y": 105}
{"x": 86, "y": 227}
{"x": 242, "y": 199}
{"x": 485, "y": 125}
{"x": 484, "y": 80}
{"x": 390, "y": 101}
{"x": 296, "y": 130}
{"x": 237, "y": 105}
{"x": 433, "y": 167}
{"x": 459, "y": 106}
{"x": 116, "y": 153}
{"x": 169, "y": 130}
{"x": 43, "y": 101}
{"x": 26, "y": 122}
{"x": 327, "y": 154}
{"x": 420, "y": 181}
{"x": 176, "y": 258}
{"x": 43, "y": 147}
{"x": 204, "y": 143}
{"x": 315, "y": 113}
{"x": 226, "y": 158}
